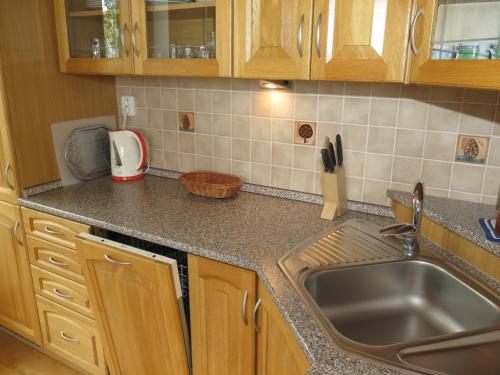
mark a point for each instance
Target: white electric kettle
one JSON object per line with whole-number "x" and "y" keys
{"x": 128, "y": 155}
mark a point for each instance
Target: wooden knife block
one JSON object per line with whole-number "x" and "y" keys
{"x": 334, "y": 194}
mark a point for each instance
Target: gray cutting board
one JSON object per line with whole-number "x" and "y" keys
{"x": 60, "y": 134}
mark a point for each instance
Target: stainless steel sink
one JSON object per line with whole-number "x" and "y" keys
{"x": 398, "y": 302}
{"x": 419, "y": 313}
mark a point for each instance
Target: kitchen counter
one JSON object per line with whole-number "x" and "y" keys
{"x": 458, "y": 216}
{"x": 249, "y": 230}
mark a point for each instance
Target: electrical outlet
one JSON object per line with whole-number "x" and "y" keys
{"x": 128, "y": 106}
{"x": 304, "y": 133}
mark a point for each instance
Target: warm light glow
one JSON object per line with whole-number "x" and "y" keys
{"x": 270, "y": 85}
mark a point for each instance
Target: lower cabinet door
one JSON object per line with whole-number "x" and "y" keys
{"x": 135, "y": 297}
{"x": 17, "y": 299}
{"x": 222, "y": 334}
{"x": 71, "y": 337}
{"x": 278, "y": 351}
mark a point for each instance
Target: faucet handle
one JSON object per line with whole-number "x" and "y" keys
{"x": 399, "y": 230}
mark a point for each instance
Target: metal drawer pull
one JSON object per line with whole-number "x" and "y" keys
{"x": 15, "y": 231}
{"x": 109, "y": 259}
{"x": 254, "y": 317}
{"x": 244, "y": 308}
{"x": 122, "y": 39}
{"x": 61, "y": 294}
{"x": 67, "y": 338}
{"x": 134, "y": 40}
{"x": 413, "y": 46}
{"x": 8, "y": 169}
{"x": 318, "y": 34}
{"x": 54, "y": 232}
{"x": 60, "y": 264}
{"x": 300, "y": 33}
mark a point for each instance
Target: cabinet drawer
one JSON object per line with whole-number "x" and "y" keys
{"x": 71, "y": 336}
{"x": 58, "y": 259}
{"x": 61, "y": 290}
{"x": 52, "y": 228}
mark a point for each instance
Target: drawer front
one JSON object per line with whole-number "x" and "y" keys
{"x": 71, "y": 336}
{"x": 58, "y": 259}
{"x": 62, "y": 290}
{"x": 52, "y": 228}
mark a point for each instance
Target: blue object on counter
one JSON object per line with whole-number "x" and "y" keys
{"x": 489, "y": 229}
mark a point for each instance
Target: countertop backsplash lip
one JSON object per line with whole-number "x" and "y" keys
{"x": 100, "y": 203}
{"x": 461, "y": 217}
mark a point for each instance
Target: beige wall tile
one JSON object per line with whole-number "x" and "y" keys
{"x": 139, "y": 93}
{"x": 306, "y": 87}
{"x": 241, "y": 84}
{"x": 440, "y": 146}
{"x": 412, "y": 114}
{"x": 384, "y": 112}
{"x": 261, "y": 174}
{"x": 327, "y": 129}
{"x": 354, "y": 188}
{"x": 480, "y": 96}
{"x": 304, "y": 157}
{"x": 282, "y": 154}
{"x": 436, "y": 174}
{"x": 203, "y": 123}
{"x": 447, "y": 94}
{"x": 203, "y": 101}
{"x": 222, "y": 125}
{"x": 356, "y": 110}
{"x": 331, "y": 88}
{"x": 222, "y": 147}
{"x": 140, "y": 120}
{"x": 330, "y": 109}
{"x": 169, "y": 99}
{"x": 402, "y": 187}
{"x": 354, "y": 163}
{"x": 155, "y": 138}
{"x": 416, "y": 92}
{"x": 156, "y": 159}
{"x": 378, "y": 166}
{"x": 241, "y": 169}
{"x": 406, "y": 170}
{"x": 186, "y": 142}
{"x": 221, "y": 102}
{"x": 185, "y": 100}
{"x": 492, "y": 181}
{"x": 260, "y": 128}
{"x": 477, "y": 118}
{"x": 187, "y": 163}
{"x": 222, "y": 165}
{"x": 261, "y": 152}
{"x": 281, "y": 177}
{"x": 123, "y": 81}
{"x": 381, "y": 140}
{"x": 152, "y": 81}
{"x": 262, "y": 104}
{"x": 137, "y": 81}
{"x": 204, "y": 163}
{"x": 303, "y": 180}
{"x": 464, "y": 196}
{"x": 283, "y": 105}
{"x": 154, "y": 118}
{"x": 306, "y": 107}
{"x": 494, "y": 152}
{"x": 153, "y": 97}
{"x": 204, "y": 145}
{"x": 170, "y": 120}
{"x": 376, "y": 192}
{"x": 171, "y": 140}
{"x": 409, "y": 142}
{"x": 444, "y": 116}
{"x": 240, "y": 103}
{"x": 386, "y": 90}
{"x": 185, "y": 82}
{"x": 168, "y": 82}
{"x": 240, "y": 149}
{"x": 436, "y": 192}
{"x": 282, "y": 131}
{"x": 467, "y": 178}
{"x": 357, "y": 88}
{"x": 354, "y": 137}
{"x": 489, "y": 200}
{"x": 240, "y": 127}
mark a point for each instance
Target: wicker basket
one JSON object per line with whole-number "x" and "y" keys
{"x": 210, "y": 184}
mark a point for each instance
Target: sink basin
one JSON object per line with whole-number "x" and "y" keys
{"x": 398, "y": 302}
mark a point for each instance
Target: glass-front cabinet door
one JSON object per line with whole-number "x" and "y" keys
{"x": 182, "y": 37}
{"x": 94, "y": 36}
{"x": 360, "y": 40}
{"x": 456, "y": 42}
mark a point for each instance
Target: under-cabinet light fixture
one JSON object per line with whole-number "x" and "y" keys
{"x": 275, "y": 85}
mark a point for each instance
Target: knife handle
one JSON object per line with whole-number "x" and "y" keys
{"x": 324, "y": 156}
{"x": 332, "y": 154}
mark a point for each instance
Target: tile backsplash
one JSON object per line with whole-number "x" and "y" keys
{"x": 392, "y": 133}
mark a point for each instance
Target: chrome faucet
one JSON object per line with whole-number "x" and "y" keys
{"x": 409, "y": 232}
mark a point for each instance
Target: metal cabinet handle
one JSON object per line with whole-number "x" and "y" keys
{"x": 318, "y": 34}
{"x": 54, "y": 232}
{"x": 300, "y": 33}
{"x": 15, "y": 231}
{"x": 67, "y": 338}
{"x": 134, "y": 41}
{"x": 59, "y": 264}
{"x": 244, "y": 308}
{"x": 109, "y": 259}
{"x": 413, "y": 46}
{"x": 254, "y": 316}
{"x": 6, "y": 172}
{"x": 57, "y": 292}
{"x": 122, "y": 39}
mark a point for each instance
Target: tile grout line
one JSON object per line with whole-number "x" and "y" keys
{"x": 391, "y": 177}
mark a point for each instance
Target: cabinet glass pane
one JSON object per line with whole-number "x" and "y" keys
{"x": 181, "y": 29}
{"x": 94, "y": 28}
{"x": 467, "y": 29}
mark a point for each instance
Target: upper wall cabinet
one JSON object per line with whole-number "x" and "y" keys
{"x": 272, "y": 39}
{"x": 153, "y": 37}
{"x": 456, "y": 42}
{"x": 360, "y": 40}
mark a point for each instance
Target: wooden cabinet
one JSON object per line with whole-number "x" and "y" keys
{"x": 222, "y": 334}
{"x": 456, "y": 43}
{"x": 272, "y": 39}
{"x": 360, "y": 40}
{"x": 230, "y": 329}
{"x": 136, "y": 36}
{"x": 17, "y": 300}
{"x": 277, "y": 349}
{"x": 136, "y": 307}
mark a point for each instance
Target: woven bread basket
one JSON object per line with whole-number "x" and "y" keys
{"x": 211, "y": 184}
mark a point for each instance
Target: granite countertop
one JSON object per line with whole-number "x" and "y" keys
{"x": 460, "y": 217}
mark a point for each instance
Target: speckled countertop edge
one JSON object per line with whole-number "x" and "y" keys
{"x": 325, "y": 357}
{"x": 460, "y": 217}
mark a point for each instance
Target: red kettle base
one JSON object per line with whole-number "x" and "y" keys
{"x": 129, "y": 178}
